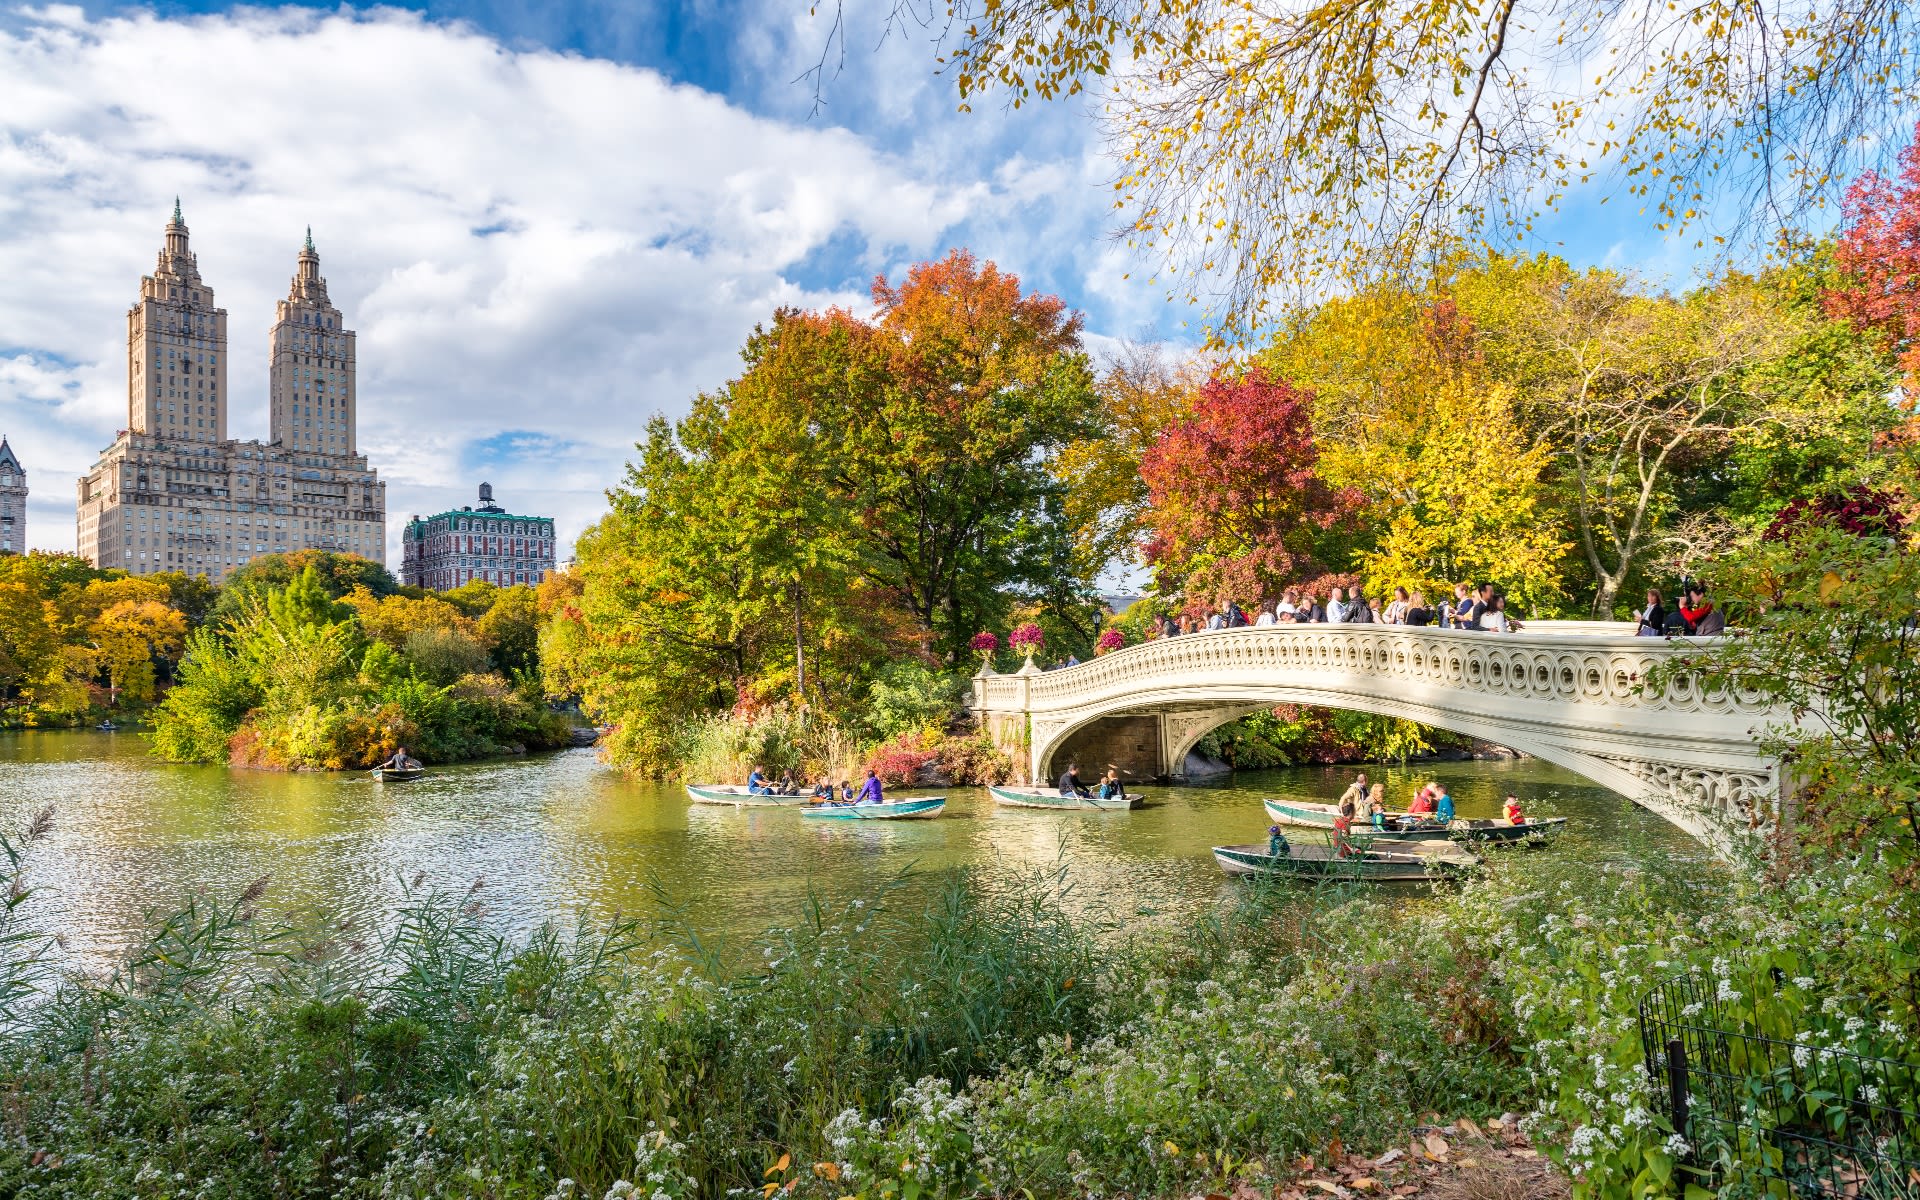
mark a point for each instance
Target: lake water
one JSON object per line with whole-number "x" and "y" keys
{"x": 560, "y": 834}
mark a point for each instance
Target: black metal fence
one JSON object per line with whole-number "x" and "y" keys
{"x": 1824, "y": 1122}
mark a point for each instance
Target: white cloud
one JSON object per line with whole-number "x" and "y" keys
{"x": 528, "y": 242}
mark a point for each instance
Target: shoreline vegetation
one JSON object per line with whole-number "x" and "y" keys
{"x": 948, "y": 1037}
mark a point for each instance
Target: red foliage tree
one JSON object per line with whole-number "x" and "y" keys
{"x": 1878, "y": 255}
{"x": 1235, "y": 498}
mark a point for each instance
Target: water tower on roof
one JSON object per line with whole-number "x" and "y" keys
{"x": 486, "y": 500}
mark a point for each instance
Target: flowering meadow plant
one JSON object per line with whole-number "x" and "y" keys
{"x": 1027, "y": 638}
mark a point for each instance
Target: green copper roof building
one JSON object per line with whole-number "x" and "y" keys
{"x": 486, "y": 542}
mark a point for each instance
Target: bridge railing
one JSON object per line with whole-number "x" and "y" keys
{"x": 1586, "y": 665}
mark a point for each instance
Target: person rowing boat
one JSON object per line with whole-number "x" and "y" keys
{"x": 400, "y": 762}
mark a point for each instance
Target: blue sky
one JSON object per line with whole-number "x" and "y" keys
{"x": 547, "y": 222}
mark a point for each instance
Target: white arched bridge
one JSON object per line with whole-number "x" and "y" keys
{"x": 1571, "y": 693}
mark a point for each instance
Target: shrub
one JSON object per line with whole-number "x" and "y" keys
{"x": 901, "y": 760}
{"x": 910, "y": 697}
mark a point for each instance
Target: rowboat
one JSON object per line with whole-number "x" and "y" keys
{"x": 1321, "y": 862}
{"x": 1413, "y": 827}
{"x": 918, "y": 808}
{"x": 1028, "y": 797}
{"x": 737, "y": 794}
{"x": 397, "y": 775}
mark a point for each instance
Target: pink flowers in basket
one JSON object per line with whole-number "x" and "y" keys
{"x": 984, "y": 643}
{"x": 1027, "y": 638}
{"x": 1110, "y": 641}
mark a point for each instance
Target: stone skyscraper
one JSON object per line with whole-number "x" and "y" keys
{"x": 173, "y": 492}
{"x": 177, "y": 349}
{"x": 312, "y": 377}
{"x": 13, "y": 501}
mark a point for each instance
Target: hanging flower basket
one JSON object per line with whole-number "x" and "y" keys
{"x": 1110, "y": 641}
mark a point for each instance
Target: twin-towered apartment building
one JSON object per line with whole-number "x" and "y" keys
{"x": 175, "y": 493}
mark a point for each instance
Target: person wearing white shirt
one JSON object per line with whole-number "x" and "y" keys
{"x": 1336, "y": 607}
{"x": 1265, "y": 617}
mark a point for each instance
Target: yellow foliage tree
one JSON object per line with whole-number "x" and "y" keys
{"x": 127, "y": 638}
{"x": 1279, "y": 149}
{"x": 1462, "y": 503}
{"x": 391, "y": 619}
{"x": 1408, "y": 415}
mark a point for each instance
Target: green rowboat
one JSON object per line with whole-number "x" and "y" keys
{"x": 737, "y": 794}
{"x": 1321, "y": 862}
{"x": 918, "y": 808}
{"x": 1410, "y": 827}
{"x": 1027, "y": 797}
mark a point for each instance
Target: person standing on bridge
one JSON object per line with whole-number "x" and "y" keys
{"x": 1396, "y": 611}
{"x": 1336, "y": 607}
{"x": 1462, "y": 603}
{"x": 1653, "y": 618}
{"x": 1417, "y": 613}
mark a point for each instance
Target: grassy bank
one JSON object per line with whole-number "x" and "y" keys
{"x": 977, "y": 1042}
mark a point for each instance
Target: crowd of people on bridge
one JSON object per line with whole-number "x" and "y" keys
{"x": 1482, "y": 609}
{"x": 1478, "y": 608}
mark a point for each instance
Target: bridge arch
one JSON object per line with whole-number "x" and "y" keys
{"x": 1572, "y": 694}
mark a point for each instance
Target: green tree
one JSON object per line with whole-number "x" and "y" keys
{"x": 511, "y": 628}
{"x": 338, "y": 574}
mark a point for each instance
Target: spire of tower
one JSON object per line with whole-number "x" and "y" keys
{"x": 310, "y": 239}
{"x": 176, "y": 211}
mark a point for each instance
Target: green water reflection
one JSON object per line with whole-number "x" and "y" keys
{"x": 556, "y": 835}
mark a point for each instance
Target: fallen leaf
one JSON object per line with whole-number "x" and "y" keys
{"x": 1469, "y": 1162}
{"x": 1392, "y": 1155}
{"x": 1521, "y": 1152}
{"x": 1215, "y": 1196}
{"x": 827, "y": 1170}
{"x": 1333, "y": 1150}
{"x": 1366, "y": 1183}
{"x": 1303, "y": 1163}
{"x": 1466, "y": 1126}
{"x": 1331, "y": 1189}
{"x": 1169, "y": 1147}
{"x": 786, "y": 1160}
{"x": 1437, "y": 1145}
{"x": 769, "y": 1189}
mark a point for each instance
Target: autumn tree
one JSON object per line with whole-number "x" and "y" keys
{"x": 129, "y": 637}
{"x": 1275, "y": 149}
{"x": 1145, "y": 388}
{"x": 1409, "y": 417}
{"x": 1633, "y": 389}
{"x": 943, "y": 450}
{"x": 1235, "y": 497}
